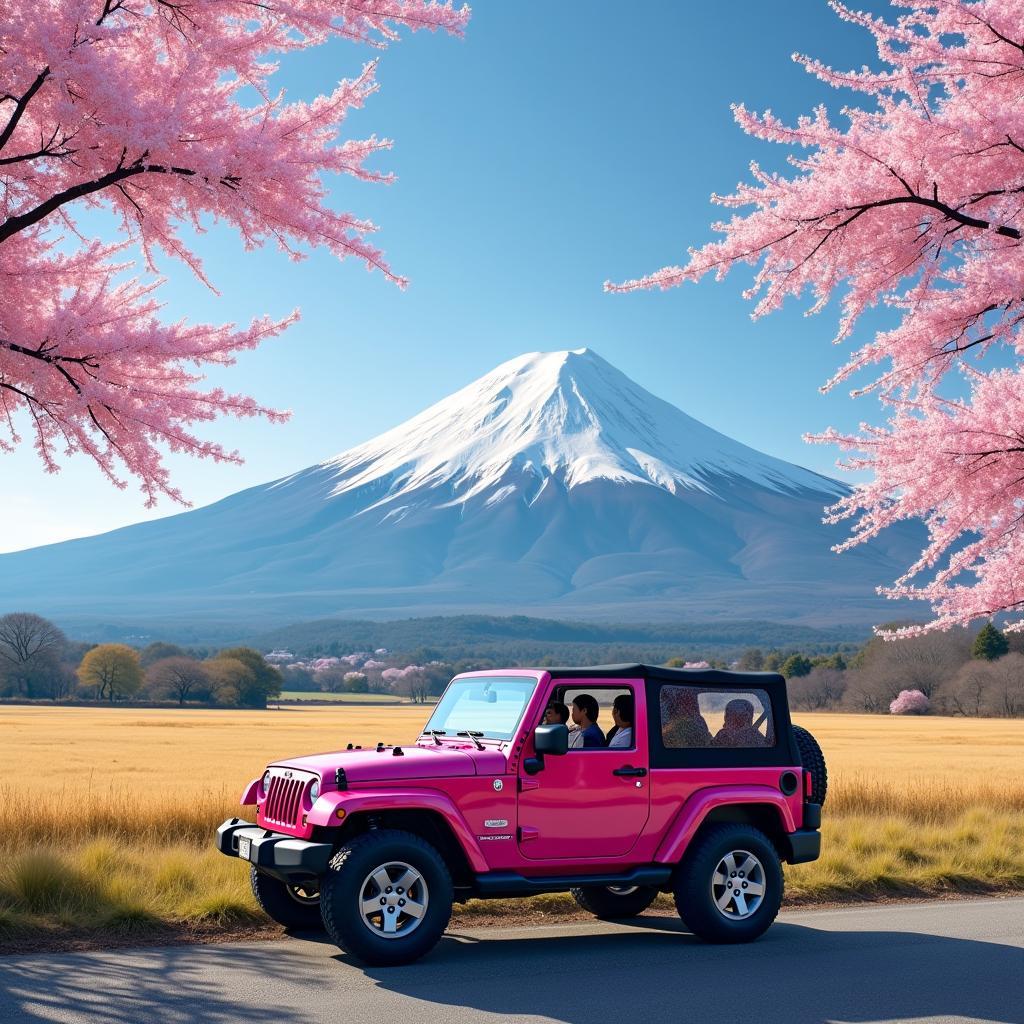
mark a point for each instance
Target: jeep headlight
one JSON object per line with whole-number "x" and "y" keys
{"x": 265, "y": 782}
{"x": 314, "y": 790}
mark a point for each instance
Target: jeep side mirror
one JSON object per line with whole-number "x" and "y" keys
{"x": 547, "y": 739}
{"x": 551, "y": 739}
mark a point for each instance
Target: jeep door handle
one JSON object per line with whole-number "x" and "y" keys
{"x": 629, "y": 770}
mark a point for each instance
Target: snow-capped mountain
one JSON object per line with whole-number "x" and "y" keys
{"x": 553, "y": 484}
{"x": 568, "y": 417}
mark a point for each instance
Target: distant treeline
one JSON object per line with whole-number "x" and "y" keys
{"x": 38, "y": 662}
{"x": 960, "y": 672}
{"x": 523, "y": 640}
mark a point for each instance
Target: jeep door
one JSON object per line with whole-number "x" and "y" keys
{"x": 592, "y": 801}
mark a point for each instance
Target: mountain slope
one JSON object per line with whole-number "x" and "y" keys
{"x": 553, "y": 484}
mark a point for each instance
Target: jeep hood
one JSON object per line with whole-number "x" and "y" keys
{"x": 413, "y": 763}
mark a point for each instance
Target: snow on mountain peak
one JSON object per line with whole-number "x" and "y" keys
{"x": 566, "y": 416}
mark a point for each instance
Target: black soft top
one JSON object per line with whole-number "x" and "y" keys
{"x": 784, "y": 752}
{"x": 711, "y": 676}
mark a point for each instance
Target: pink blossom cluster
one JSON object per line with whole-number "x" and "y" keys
{"x": 320, "y": 664}
{"x": 145, "y": 108}
{"x": 356, "y": 659}
{"x": 914, "y": 203}
{"x": 394, "y": 677}
{"x": 910, "y": 702}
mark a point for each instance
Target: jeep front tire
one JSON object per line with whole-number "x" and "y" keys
{"x": 610, "y": 902}
{"x": 293, "y": 904}
{"x": 729, "y": 885}
{"x": 386, "y": 897}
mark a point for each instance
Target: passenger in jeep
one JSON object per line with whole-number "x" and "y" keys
{"x": 682, "y": 725}
{"x": 622, "y": 713}
{"x": 739, "y": 729}
{"x": 584, "y": 713}
{"x": 556, "y": 713}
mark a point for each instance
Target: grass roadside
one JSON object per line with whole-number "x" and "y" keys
{"x": 107, "y": 814}
{"x": 74, "y": 873}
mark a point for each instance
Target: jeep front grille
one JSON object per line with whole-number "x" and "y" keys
{"x": 284, "y": 800}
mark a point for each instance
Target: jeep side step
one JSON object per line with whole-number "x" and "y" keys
{"x": 504, "y": 884}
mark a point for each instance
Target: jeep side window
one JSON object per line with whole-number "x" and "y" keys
{"x": 694, "y": 716}
{"x": 682, "y": 724}
{"x": 601, "y": 701}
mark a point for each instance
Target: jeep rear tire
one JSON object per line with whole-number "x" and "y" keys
{"x": 729, "y": 885}
{"x": 813, "y": 761}
{"x": 386, "y": 897}
{"x": 609, "y": 902}
{"x": 295, "y": 905}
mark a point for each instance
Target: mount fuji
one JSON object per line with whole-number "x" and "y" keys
{"x": 552, "y": 485}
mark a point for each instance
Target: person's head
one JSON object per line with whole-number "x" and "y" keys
{"x": 556, "y": 713}
{"x": 584, "y": 710}
{"x": 622, "y": 710}
{"x": 679, "y": 702}
{"x": 739, "y": 714}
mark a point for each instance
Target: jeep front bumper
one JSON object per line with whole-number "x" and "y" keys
{"x": 272, "y": 852}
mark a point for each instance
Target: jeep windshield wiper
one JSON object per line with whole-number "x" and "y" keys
{"x": 435, "y": 733}
{"x": 472, "y": 734}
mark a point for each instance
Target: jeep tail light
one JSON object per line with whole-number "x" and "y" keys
{"x": 808, "y": 784}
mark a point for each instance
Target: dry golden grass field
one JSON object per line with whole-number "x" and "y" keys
{"x": 107, "y": 814}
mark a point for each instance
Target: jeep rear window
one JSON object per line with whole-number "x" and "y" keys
{"x": 489, "y": 705}
{"x": 697, "y": 716}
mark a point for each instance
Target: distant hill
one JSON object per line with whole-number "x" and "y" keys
{"x": 553, "y": 486}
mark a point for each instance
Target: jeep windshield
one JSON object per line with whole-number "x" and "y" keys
{"x": 487, "y": 706}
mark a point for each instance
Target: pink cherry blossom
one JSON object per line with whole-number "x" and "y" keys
{"x": 909, "y": 702}
{"x": 163, "y": 114}
{"x": 914, "y": 203}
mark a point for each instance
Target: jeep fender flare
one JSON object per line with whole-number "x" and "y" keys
{"x": 249, "y": 793}
{"x": 324, "y": 812}
{"x": 701, "y": 803}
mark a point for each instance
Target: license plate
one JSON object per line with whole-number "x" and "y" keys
{"x": 244, "y": 847}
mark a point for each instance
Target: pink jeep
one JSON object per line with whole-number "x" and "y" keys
{"x": 702, "y": 788}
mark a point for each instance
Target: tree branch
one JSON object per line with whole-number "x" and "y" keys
{"x": 19, "y": 222}
{"x": 20, "y": 104}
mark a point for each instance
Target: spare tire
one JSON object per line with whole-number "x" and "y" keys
{"x": 813, "y": 761}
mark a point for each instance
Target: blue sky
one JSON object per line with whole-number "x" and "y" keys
{"x": 556, "y": 146}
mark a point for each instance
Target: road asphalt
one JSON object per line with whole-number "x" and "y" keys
{"x": 929, "y": 962}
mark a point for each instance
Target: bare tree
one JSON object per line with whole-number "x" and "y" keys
{"x": 178, "y": 677}
{"x": 987, "y": 688}
{"x": 1005, "y": 695}
{"x": 822, "y": 688}
{"x": 867, "y": 690}
{"x": 26, "y": 642}
{"x": 331, "y": 680}
{"x": 964, "y": 693}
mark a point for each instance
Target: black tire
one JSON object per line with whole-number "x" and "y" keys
{"x": 348, "y": 884}
{"x": 291, "y": 905}
{"x": 605, "y": 903}
{"x": 695, "y": 890}
{"x": 813, "y": 761}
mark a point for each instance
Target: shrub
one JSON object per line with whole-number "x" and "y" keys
{"x": 910, "y": 702}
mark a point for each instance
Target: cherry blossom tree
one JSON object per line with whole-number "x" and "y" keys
{"x": 910, "y": 702}
{"x": 161, "y": 112}
{"x": 914, "y": 203}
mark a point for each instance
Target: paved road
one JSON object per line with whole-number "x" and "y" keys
{"x": 956, "y": 961}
